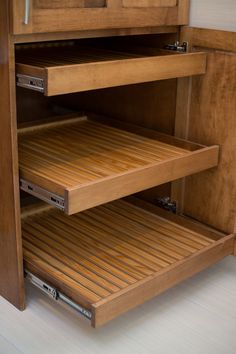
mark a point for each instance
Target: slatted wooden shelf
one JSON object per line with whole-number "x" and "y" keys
{"x": 70, "y": 69}
{"x": 81, "y": 163}
{"x": 114, "y": 257}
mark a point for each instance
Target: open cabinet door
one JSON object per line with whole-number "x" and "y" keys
{"x": 209, "y": 103}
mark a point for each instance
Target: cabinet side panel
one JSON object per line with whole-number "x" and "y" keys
{"x": 210, "y": 197}
{"x": 11, "y": 260}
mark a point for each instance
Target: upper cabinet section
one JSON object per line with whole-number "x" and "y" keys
{"x": 43, "y": 16}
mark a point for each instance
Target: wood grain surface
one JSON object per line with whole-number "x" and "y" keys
{"x": 11, "y": 259}
{"x": 67, "y": 18}
{"x": 116, "y": 256}
{"x": 90, "y": 163}
{"x": 74, "y": 69}
{"x": 210, "y": 196}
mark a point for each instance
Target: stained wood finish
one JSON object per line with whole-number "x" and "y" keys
{"x": 149, "y": 3}
{"x": 116, "y": 256}
{"x": 183, "y": 14}
{"x": 210, "y": 196}
{"x": 150, "y": 105}
{"x": 11, "y": 259}
{"x": 42, "y": 37}
{"x": 74, "y": 69}
{"x": 206, "y": 38}
{"x": 45, "y": 16}
{"x": 44, "y": 108}
{"x": 90, "y": 163}
{"x": 182, "y": 117}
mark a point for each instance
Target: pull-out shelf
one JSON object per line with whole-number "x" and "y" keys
{"x": 112, "y": 258}
{"x": 55, "y": 71}
{"x": 80, "y": 163}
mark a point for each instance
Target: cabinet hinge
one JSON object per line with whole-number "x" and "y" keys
{"x": 43, "y": 194}
{"x": 30, "y": 82}
{"x": 167, "y": 204}
{"x": 56, "y": 295}
{"x": 178, "y": 47}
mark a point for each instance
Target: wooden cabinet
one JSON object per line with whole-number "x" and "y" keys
{"x": 102, "y": 131}
{"x": 42, "y": 16}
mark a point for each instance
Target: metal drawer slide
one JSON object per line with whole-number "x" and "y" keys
{"x": 56, "y": 295}
{"x": 30, "y": 82}
{"x": 43, "y": 194}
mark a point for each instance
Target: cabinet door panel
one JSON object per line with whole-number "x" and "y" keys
{"x": 44, "y": 16}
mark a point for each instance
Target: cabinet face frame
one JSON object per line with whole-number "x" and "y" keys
{"x": 29, "y": 19}
{"x": 11, "y": 258}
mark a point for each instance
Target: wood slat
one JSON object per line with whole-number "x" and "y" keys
{"x": 73, "y": 158}
{"x": 59, "y": 56}
{"x": 89, "y": 144}
{"x": 61, "y": 254}
{"x": 104, "y": 258}
{"x": 95, "y": 259}
{"x": 99, "y": 257}
{"x": 124, "y": 262}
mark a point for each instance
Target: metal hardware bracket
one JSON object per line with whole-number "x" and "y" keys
{"x": 177, "y": 47}
{"x": 56, "y": 295}
{"x": 167, "y": 204}
{"x": 42, "y": 194}
{"x": 30, "y": 82}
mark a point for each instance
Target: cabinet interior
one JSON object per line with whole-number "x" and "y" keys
{"x": 151, "y": 105}
{"x": 85, "y": 152}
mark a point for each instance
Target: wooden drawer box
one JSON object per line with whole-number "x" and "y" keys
{"x": 80, "y": 163}
{"x": 44, "y": 16}
{"x": 55, "y": 71}
{"x": 110, "y": 259}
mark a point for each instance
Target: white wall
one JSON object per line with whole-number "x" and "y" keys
{"x": 219, "y": 14}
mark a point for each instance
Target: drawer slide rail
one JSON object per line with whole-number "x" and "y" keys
{"x": 56, "y": 295}
{"x": 43, "y": 194}
{"x": 30, "y": 82}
